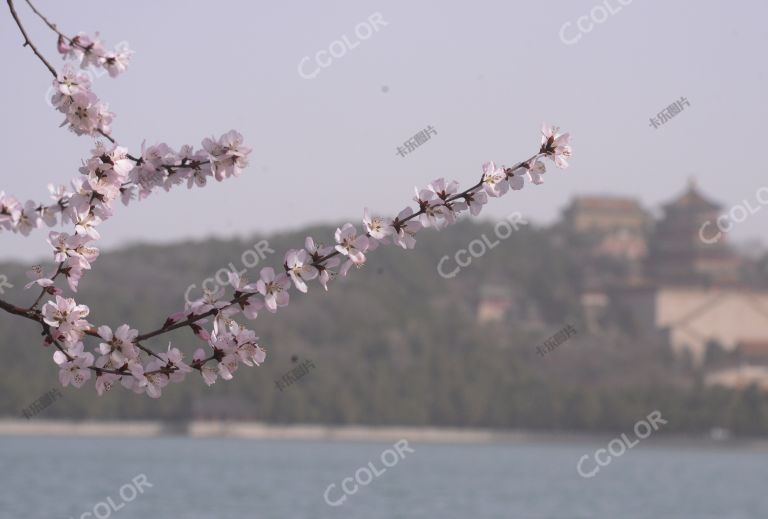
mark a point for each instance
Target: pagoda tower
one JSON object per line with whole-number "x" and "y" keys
{"x": 678, "y": 254}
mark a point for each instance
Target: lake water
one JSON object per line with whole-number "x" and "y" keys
{"x": 49, "y": 478}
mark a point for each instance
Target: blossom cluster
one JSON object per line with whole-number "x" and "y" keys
{"x": 84, "y": 112}
{"x": 111, "y": 173}
{"x": 108, "y": 175}
{"x": 90, "y": 52}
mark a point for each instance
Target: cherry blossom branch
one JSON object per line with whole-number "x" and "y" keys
{"x": 491, "y": 177}
{"x": 437, "y": 206}
{"x": 111, "y": 173}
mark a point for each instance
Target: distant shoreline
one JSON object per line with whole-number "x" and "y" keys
{"x": 311, "y": 432}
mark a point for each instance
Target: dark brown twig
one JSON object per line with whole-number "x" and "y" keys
{"x": 28, "y": 42}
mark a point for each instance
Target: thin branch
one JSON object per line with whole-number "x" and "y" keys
{"x": 47, "y": 22}
{"x": 147, "y": 350}
{"x": 45, "y": 289}
{"x": 28, "y": 42}
{"x": 15, "y": 310}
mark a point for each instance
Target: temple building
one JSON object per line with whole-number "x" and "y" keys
{"x": 683, "y": 248}
{"x": 691, "y": 317}
{"x": 693, "y": 292}
{"x": 605, "y": 214}
{"x": 680, "y": 278}
{"x": 608, "y": 236}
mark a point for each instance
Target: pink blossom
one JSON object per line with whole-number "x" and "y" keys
{"x": 63, "y": 46}
{"x": 536, "y": 170}
{"x": 247, "y": 346}
{"x": 476, "y": 200}
{"x": 251, "y": 354}
{"x": 228, "y": 365}
{"x": 76, "y": 371}
{"x": 326, "y": 274}
{"x": 10, "y": 211}
{"x": 86, "y": 253}
{"x": 29, "y": 218}
{"x": 433, "y": 208}
{"x": 273, "y": 288}
{"x": 105, "y": 381}
{"x": 153, "y": 381}
{"x": 555, "y": 145}
{"x": 406, "y": 230}
{"x": 241, "y": 284}
{"x": 90, "y": 53}
{"x": 350, "y": 244}
{"x": 82, "y": 113}
{"x": 516, "y": 179}
{"x": 251, "y": 307}
{"x": 298, "y": 265}
{"x": 65, "y": 313}
{"x": 73, "y": 268}
{"x": 377, "y": 227}
{"x": 494, "y": 180}
{"x": 442, "y": 189}
{"x": 175, "y": 359}
{"x": 211, "y": 299}
{"x": 66, "y": 247}
{"x": 69, "y": 83}
{"x": 228, "y": 156}
{"x": 116, "y": 61}
{"x": 68, "y": 352}
{"x": 85, "y": 221}
{"x": 317, "y": 252}
{"x": 39, "y": 277}
{"x": 48, "y": 214}
{"x": 120, "y": 345}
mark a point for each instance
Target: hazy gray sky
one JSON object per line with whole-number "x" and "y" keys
{"x": 484, "y": 74}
